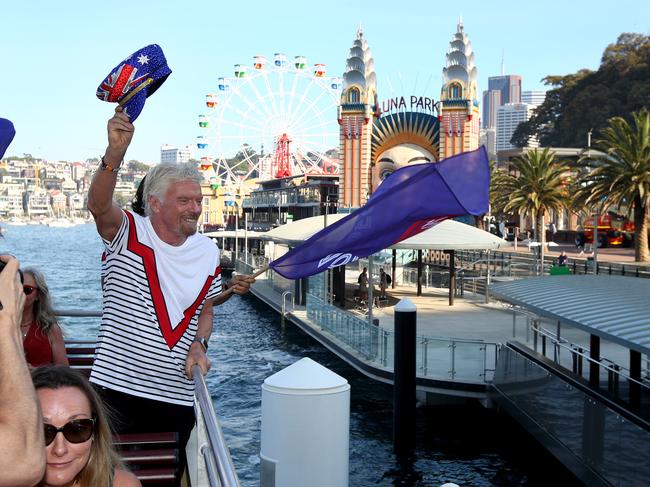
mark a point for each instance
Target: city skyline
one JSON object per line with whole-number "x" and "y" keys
{"x": 55, "y": 59}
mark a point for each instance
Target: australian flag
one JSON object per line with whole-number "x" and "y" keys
{"x": 135, "y": 79}
{"x": 411, "y": 200}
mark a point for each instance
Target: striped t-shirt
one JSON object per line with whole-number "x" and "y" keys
{"x": 153, "y": 294}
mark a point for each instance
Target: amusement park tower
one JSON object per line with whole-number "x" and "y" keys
{"x": 357, "y": 112}
{"x": 459, "y": 113}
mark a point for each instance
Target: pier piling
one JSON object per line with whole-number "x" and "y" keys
{"x": 404, "y": 380}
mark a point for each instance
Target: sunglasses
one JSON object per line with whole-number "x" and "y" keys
{"x": 29, "y": 289}
{"x": 76, "y": 431}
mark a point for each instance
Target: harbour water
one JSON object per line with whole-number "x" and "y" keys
{"x": 463, "y": 444}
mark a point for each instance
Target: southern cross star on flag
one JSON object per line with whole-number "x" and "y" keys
{"x": 411, "y": 200}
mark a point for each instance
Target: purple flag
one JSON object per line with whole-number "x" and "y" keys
{"x": 411, "y": 200}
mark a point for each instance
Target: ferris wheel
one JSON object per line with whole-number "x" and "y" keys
{"x": 270, "y": 120}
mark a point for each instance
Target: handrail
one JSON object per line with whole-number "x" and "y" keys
{"x": 78, "y": 313}
{"x": 226, "y": 472}
{"x": 293, "y": 302}
{"x": 542, "y": 331}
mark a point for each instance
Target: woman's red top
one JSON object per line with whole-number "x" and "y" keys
{"x": 38, "y": 350}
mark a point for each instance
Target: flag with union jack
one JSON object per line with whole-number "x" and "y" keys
{"x": 119, "y": 83}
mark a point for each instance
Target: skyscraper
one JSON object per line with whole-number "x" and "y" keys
{"x": 501, "y": 90}
{"x": 508, "y": 117}
{"x": 535, "y": 98}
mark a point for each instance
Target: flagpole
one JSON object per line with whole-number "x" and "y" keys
{"x": 260, "y": 271}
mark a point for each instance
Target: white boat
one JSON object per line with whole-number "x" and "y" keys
{"x": 61, "y": 223}
{"x": 16, "y": 222}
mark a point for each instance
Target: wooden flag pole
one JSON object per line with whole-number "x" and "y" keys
{"x": 259, "y": 272}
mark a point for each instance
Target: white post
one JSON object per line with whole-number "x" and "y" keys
{"x": 488, "y": 267}
{"x": 234, "y": 263}
{"x": 370, "y": 290}
{"x": 246, "y": 236}
{"x": 595, "y": 242}
{"x": 541, "y": 250}
{"x": 305, "y": 427}
{"x": 516, "y": 234}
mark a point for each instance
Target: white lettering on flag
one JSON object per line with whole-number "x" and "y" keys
{"x": 336, "y": 259}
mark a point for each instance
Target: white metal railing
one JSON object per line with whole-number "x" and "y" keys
{"x": 284, "y": 302}
{"x": 437, "y": 357}
{"x": 218, "y": 462}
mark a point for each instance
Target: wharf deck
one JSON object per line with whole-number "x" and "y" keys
{"x": 470, "y": 319}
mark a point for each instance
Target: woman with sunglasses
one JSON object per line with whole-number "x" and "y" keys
{"x": 78, "y": 441}
{"x": 42, "y": 336}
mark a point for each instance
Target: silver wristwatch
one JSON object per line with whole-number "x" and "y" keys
{"x": 202, "y": 341}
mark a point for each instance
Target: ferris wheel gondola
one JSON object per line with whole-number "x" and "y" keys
{"x": 277, "y": 105}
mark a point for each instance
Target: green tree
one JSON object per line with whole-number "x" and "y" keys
{"x": 579, "y": 102}
{"x": 622, "y": 178}
{"x": 534, "y": 184}
{"x": 137, "y": 166}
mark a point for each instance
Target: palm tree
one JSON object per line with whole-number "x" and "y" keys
{"x": 623, "y": 176}
{"x": 535, "y": 184}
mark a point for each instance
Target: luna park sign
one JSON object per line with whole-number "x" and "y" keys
{"x": 412, "y": 103}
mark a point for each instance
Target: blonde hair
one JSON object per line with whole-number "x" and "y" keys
{"x": 103, "y": 460}
{"x": 43, "y": 309}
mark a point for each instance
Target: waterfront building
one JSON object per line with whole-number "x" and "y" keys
{"x": 213, "y": 207}
{"x": 78, "y": 171}
{"x": 37, "y": 203}
{"x": 59, "y": 202}
{"x": 11, "y": 198}
{"x": 459, "y": 112}
{"x": 356, "y": 115}
{"x": 76, "y": 202}
{"x": 278, "y": 201}
{"x": 509, "y": 116}
{"x": 170, "y": 153}
{"x": 501, "y": 90}
{"x": 534, "y": 98}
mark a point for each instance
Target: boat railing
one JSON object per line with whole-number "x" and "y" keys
{"x": 214, "y": 452}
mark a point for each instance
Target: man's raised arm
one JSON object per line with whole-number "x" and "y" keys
{"x": 108, "y": 216}
{"x": 22, "y": 448}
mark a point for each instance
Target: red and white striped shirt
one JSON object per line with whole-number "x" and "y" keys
{"x": 153, "y": 294}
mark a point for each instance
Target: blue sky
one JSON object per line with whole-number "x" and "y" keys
{"x": 54, "y": 54}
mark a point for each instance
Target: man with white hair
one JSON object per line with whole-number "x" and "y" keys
{"x": 160, "y": 280}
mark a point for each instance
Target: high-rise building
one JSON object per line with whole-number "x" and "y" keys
{"x": 501, "y": 90}
{"x": 509, "y": 116}
{"x": 488, "y": 138}
{"x": 535, "y": 98}
{"x": 173, "y": 154}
